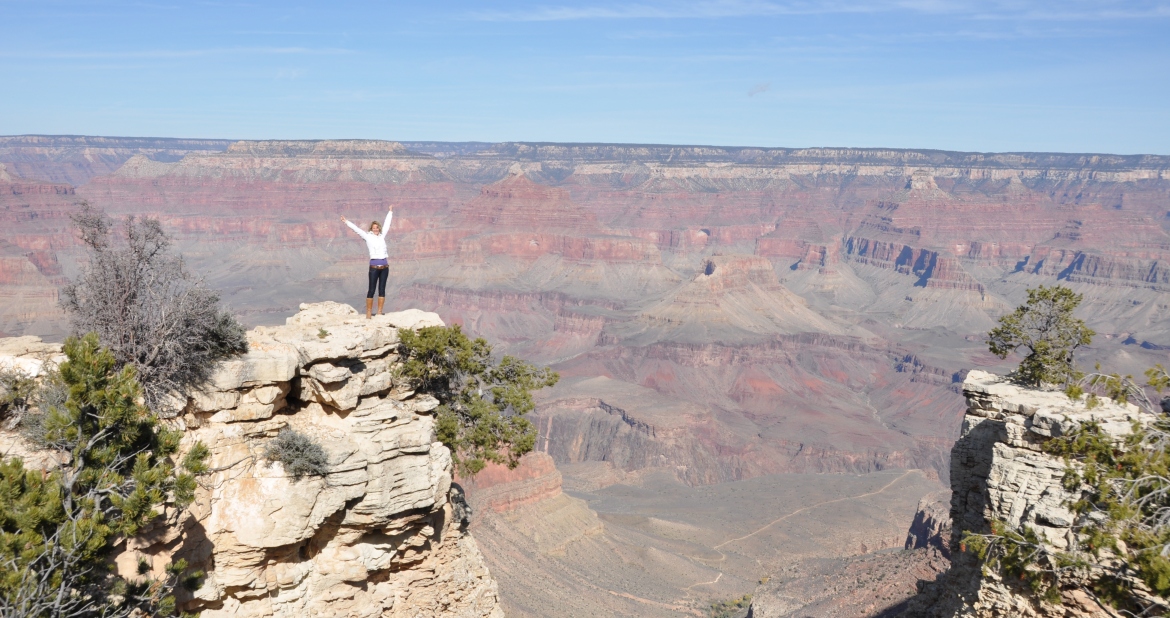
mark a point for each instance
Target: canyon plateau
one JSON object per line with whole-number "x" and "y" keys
{"x": 762, "y": 351}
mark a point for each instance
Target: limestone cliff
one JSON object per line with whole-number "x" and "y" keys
{"x": 382, "y": 533}
{"x": 999, "y": 472}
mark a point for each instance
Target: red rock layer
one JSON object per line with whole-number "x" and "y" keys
{"x": 499, "y": 490}
{"x": 594, "y": 258}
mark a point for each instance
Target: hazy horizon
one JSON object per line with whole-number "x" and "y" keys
{"x": 588, "y": 143}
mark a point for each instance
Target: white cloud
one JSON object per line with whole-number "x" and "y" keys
{"x": 1040, "y": 10}
{"x": 171, "y": 53}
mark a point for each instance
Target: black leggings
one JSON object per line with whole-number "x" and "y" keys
{"x": 378, "y": 278}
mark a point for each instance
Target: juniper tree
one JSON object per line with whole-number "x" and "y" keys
{"x": 483, "y": 403}
{"x": 57, "y": 527}
{"x": 147, "y": 308}
{"x": 1044, "y": 326}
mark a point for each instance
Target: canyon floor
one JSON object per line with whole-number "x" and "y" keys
{"x": 743, "y": 334}
{"x": 653, "y": 546}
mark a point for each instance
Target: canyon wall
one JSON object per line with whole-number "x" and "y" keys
{"x": 1000, "y": 472}
{"x": 74, "y": 159}
{"x": 381, "y": 533}
{"x": 767, "y": 310}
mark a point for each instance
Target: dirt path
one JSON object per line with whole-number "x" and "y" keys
{"x": 809, "y": 508}
{"x": 723, "y": 556}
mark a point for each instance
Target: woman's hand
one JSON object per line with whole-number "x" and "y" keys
{"x": 343, "y": 218}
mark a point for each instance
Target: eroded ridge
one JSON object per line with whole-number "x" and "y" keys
{"x": 1000, "y": 472}
{"x": 380, "y": 533}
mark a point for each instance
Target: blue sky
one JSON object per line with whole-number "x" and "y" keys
{"x": 991, "y": 75}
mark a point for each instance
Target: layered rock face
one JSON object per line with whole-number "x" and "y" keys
{"x": 818, "y": 305}
{"x": 932, "y": 524}
{"x": 75, "y": 159}
{"x": 1000, "y": 472}
{"x": 381, "y": 533}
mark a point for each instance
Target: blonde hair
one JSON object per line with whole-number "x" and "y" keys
{"x": 372, "y": 224}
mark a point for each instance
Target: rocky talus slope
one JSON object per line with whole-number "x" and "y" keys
{"x": 382, "y": 533}
{"x": 999, "y": 472}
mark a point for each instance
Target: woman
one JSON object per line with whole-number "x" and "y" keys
{"x": 379, "y": 264}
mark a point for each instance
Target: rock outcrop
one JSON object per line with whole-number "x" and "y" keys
{"x": 932, "y": 524}
{"x": 1001, "y": 473}
{"x": 381, "y": 533}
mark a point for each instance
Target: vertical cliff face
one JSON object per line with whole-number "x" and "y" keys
{"x": 380, "y": 533}
{"x": 1001, "y": 473}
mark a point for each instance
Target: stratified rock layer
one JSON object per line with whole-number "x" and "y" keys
{"x": 1000, "y": 472}
{"x": 380, "y": 533}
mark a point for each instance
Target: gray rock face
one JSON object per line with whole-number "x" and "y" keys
{"x": 932, "y": 524}
{"x": 999, "y": 472}
{"x": 377, "y": 535}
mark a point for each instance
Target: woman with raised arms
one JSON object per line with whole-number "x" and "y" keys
{"x": 379, "y": 260}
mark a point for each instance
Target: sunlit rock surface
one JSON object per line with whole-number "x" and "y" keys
{"x": 1000, "y": 472}
{"x": 379, "y": 534}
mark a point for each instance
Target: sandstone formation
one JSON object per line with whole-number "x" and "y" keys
{"x": 999, "y": 472}
{"x": 716, "y": 314}
{"x": 381, "y": 533}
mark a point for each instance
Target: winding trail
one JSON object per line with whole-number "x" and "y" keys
{"x": 723, "y": 556}
{"x": 809, "y": 508}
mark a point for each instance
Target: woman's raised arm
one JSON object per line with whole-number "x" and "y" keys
{"x": 386, "y": 226}
{"x": 353, "y": 227}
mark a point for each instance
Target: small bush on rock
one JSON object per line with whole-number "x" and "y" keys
{"x": 481, "y": 418}
{"x": 298, "y": 453}
{"x": 1046, "y": 328}
{"x": 148, "y": 309}
{"x": 16, "y": 391}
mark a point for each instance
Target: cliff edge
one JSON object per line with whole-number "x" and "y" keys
{"x": 380, "y": 533}
{"x": 1000, "y": 472}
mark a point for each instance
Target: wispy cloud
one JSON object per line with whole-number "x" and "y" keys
{"x": 759, "y": 89}
{"x": 673, "y": 10}
{"x": 170, "y": 53}
{"x": 1053, "y": 10}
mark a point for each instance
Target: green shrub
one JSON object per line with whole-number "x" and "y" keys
{"x": 298, "y": 453}
{"x": 729, "y": 608}
{"x": 57, "y": 527}
{"x": 483, "y": 403}
{"x": 1044, "y": 326}
{"x": 50, "y": 391}
{"x": 16, "y": 391}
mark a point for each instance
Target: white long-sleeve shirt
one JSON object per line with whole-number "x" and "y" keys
{"x": 376, "y": 243}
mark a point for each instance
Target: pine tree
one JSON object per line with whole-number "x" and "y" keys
{"x": 481, "y": 418}
{"x": 57, "y": 527}
{"x": 1046, "y": 328}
